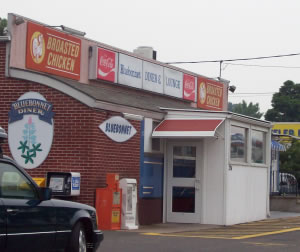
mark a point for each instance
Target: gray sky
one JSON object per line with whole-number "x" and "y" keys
{"x": 191, "y": 30}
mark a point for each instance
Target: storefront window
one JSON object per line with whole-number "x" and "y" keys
{"x": 238, "y": 144}
{"x": 258, "y": 147}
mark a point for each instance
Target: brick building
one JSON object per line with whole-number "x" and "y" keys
{"x": 86, "y": 84}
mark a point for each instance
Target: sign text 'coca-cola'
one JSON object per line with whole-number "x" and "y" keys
{"x": 104, "y": 65}
{"x": 189, "y": 87}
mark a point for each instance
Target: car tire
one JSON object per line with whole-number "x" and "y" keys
{"x": 78, "y": 239}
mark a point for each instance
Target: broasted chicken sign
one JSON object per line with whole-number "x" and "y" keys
{"x": 51, "y": 51}
{"x": 210, "y": 94}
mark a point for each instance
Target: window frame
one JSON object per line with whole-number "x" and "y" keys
{"x": 246, "y": 137}
{"x": 264, "y": 146}
{"x": 249, "y": 128}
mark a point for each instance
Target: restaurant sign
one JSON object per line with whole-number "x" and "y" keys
{"x": 53, "y": 52}
{"x": 118, "y": 129}
{"x": 210, "y": 94}
{"x": 153, "y": 77}
{"x": 130, "y": 71}
{"x": 30, "y": 129}
{"x": 173, "y": 82}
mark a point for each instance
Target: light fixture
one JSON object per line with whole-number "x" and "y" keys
{"x": 72, "y": 31}
{"x": 133, "y": 117}
{"x": 2, "y": 133}
{"x": 232, "y": 88}
{"x": 5, "y": 38}
{"x": 19, "y": 20}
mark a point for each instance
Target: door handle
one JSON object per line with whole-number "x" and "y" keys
{"x": 12, "y": 211}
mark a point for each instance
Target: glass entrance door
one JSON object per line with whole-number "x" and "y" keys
{"x": 183, "y": 183}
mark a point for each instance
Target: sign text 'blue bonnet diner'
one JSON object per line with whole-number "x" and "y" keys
{"x": 31, "y": 106}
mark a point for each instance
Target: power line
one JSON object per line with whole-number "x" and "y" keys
{"x": 251, "y": 65}
{"x": 241, "y": 96}
{"x": 230, "y": 60}
{"x": 253, "y": 93}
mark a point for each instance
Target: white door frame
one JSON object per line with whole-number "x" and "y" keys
{"x": 196, "y": 182}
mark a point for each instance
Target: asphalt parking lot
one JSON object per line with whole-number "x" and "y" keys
{"x": 240, "y": 231}
{"x": 270, "y": 235}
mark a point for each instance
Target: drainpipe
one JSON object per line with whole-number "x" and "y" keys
{"x": 225, "y": 168}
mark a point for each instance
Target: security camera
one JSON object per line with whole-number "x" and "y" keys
{"x": 232, "y": 88}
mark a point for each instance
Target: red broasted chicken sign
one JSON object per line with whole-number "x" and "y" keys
{"x": 51, "y": 51}
{"x": 210, "y": 94}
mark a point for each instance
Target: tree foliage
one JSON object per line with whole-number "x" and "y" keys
{"x": 290, "y": 159}
{"x": 3, "y": 24}
{"x": 286, "y": 104}
{"x": 245, "y": 109}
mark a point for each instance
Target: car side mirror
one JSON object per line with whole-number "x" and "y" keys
{"x": 45, "y": 193}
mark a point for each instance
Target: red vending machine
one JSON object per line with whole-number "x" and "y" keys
{"x": 108, "y": 203}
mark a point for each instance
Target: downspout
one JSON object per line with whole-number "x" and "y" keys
{"x": 268, "y": 161}
{"x": 225, "y": 169}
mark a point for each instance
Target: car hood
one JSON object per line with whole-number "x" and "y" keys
{"x": 71, "y": 204}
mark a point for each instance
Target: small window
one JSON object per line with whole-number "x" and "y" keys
{"x": 13, "y": 184}
{"x": 238, "y": 144}
{"x": 258, "y": 147}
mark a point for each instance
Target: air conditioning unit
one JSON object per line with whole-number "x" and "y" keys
{"x": 146, "y": 52}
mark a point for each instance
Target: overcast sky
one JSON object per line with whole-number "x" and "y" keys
{"x": 191, "y": 30}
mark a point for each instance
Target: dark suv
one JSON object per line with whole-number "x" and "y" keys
{"x": 31, "y": 221}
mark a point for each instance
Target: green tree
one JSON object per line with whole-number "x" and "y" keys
{"x": 286, "y": 104}
{"x": 3, "y": 24}
{"x": 245, "y": 109}
{"x": 290, "y": 159}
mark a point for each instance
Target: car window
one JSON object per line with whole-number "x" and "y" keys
{"x": 13, "y": 184}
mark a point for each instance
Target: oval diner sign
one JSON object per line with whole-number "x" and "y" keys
{"x": 118, "y": 129}
{"x": 30, "y": 129}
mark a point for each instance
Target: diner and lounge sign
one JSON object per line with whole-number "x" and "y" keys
{"x": 137, "y": 73}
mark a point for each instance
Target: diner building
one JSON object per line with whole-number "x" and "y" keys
{"x": 74, "y": 105}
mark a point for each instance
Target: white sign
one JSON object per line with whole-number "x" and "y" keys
{"x": 118, "y": 129}
{"x": 130, "y": 71}
{"x": 173, "y": 83}
{"x": 153, "y": 77}
{"x": 30, "y": 129}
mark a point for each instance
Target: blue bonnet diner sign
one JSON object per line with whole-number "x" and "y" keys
{"x": 30, "y": 129}
{"x": 118, "y": 129}
{"x": 31, "y": 106}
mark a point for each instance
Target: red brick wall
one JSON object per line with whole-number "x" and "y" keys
{"x": 78, "y": 144}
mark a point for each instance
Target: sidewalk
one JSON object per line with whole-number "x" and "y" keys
{"x": 278, "y": 215}
{"x": 164, "y": 228}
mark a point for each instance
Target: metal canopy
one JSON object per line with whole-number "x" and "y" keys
{"x": 179, "y": 128}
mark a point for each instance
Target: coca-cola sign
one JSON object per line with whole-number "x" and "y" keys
{"x": 107, "y": 66}
{"x": 103, "y": 64}
{"x": 189, "y": 87}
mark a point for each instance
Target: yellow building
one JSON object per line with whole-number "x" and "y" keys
{"x": 286, "y": 128}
